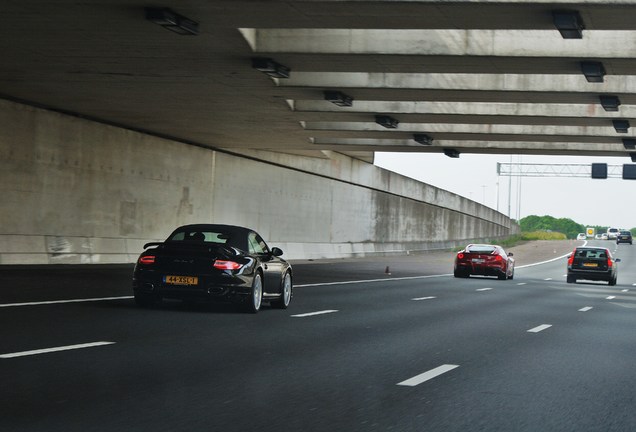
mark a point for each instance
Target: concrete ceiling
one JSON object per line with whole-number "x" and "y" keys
{"x": 477, "y": 77}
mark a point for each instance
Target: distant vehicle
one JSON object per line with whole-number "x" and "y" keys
{"x": 612, "y": 233}
{"x": 213, "y": 263}
{"x": 484, "y": 260}
{"x": 598, "y": 236}
{"x": 624, "y": 237}
{"x": 592, "y": 263}
{"x": 604, "y": 236}
{"x": 581, "y": 236}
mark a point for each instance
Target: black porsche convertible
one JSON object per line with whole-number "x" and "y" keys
{"x": 213, "y": 263}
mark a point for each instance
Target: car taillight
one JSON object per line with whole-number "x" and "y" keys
{"x": 460, "y": 255}
{"x": 227, "y": 265}
{"x": 498, "y": 258}
{"x": 147, "y": 259}
{"x": 571, "y": 257}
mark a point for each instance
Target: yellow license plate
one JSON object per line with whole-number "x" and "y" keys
{"x": 590, "y": 265}
{"x": 181, "y": 280}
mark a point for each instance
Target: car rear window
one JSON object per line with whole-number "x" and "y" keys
{"x": 482, "y": 249}
{"x": 626, "y": 233}
{"x": 591, "y": 253}
{"x": 200, "y": 236}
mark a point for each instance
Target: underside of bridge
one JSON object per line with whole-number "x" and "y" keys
{"x": 354, "y": 77}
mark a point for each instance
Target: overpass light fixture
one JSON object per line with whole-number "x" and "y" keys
{"x": 270, "y": 67}
{"x": 338, "y": 98}
{"x": 569, "y": 23}
{"x": 610, "y": 103}
{"x": 172, "y": 21}
{"x": 629, "y": 170}
{"x": 621, "y": 126}
{"x": 451, "y": 153}
{"x": 386, "y": 121}
{"x": 423, "y": 139}
{"x": 593, "y": 71}
{"x": 629, "y": 143}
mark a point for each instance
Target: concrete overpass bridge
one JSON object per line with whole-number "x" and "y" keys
{"x": 123, "y": 119}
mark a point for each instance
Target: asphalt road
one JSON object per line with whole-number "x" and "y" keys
{"x": 418, "y": 352}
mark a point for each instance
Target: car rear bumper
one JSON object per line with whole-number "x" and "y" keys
{"x": 479, "y": 270}
{"x": 236, "y": 288}
{"x": 591, "y": 275}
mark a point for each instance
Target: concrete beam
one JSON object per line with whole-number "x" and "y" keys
{"x": 457, "y": 81}
{"x": 469, "y": 108}
{"x": 494, "y": 43}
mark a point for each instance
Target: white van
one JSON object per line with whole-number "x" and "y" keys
{"x": 612, "y": 233}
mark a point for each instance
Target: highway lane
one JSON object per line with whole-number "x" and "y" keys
{"x": 521, "y": 355}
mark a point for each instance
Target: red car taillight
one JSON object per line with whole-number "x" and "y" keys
{"x": 147, "y": 259}
{"x": 498, "y": 258}
{"x": 227, "y": 265}
{"x": 571, "y": 257}
{"x": 460, "y": 256}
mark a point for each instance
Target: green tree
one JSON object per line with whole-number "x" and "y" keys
{"x": 550, "y": 223}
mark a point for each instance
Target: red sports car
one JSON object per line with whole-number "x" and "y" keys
{"x": 484, "y": 260}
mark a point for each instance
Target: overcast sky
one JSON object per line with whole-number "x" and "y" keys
{"x": 607, "y": 202}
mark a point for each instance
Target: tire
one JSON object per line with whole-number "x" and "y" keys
{"x": 570, "y": 279}
{"x": 512, "y": 275}
{"x": 146, "y": 300}
{"x": 612, "y": 281}
{"x": 286, "y": 292}
{"x": 255, "y": 298}
{"x": 503, "y": 275}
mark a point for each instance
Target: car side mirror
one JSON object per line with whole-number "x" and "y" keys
{"x": 617, "y": 260}
{"x": 277, "y": 251}
{"x": 511, "y": 254}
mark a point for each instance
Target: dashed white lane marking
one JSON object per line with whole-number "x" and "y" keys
{"x": 625, "y": 290}
{"x": 64, "y": 301}
{"x": 423, "y": 298}
{"x": 521, "y": 283}
{"x": 314, "y": 313}
{"x": 54, "y": 349}
{"x": 610, "y": 297}
{"x": 547, "y": 279}
{"x": 419, "y": 379}
{"x": 483, "y": 289}
{"x": 539, "y": 328}
{"x": 585, "y": 309}
{"x": 372, "y": 280}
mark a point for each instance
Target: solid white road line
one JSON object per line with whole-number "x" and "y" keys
{"x": 585, "y": 309}
{"x": 539, "y": 328}
{"x": 64, "y": 301}
{"x": 419, "y": 379}
{"x": 423, "y": 298}
{"x": 55, "y": 349}
{"x": 483, "y": 289}
{"x": 314, "y": 313}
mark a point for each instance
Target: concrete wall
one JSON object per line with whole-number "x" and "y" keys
{"x": 75, "y": 191}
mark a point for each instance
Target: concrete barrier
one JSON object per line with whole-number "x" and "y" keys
{"x": 76, "y": 191}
